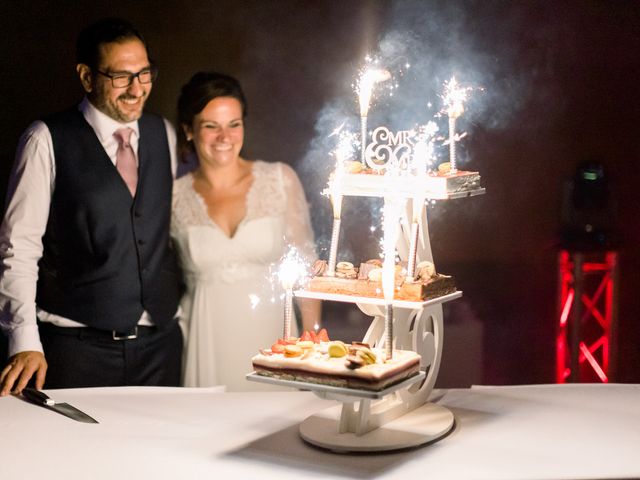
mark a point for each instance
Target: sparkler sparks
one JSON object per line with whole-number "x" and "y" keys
{"x": 291, "y": 270}
{"x": 368, "y": 79}
{"x": 423, "y": 154}
{"x": 255, "y": 300}
{"x": 346, "y": 146}
{"x": 338, "y": 129}
{"x": 453, "y": 98}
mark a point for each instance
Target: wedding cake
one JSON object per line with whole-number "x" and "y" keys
{"x": 335, "y": 364}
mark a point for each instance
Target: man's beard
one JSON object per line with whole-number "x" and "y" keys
{"x": 112, "y": 108}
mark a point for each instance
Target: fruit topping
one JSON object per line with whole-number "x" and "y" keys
{"x": 337, "y": 349}
{"x": 305, "y": 344}
{"x": 322, "y": 335}
{"x": 292, "y": 351}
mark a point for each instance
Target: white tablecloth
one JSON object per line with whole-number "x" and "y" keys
{"x": 544, "y": 431}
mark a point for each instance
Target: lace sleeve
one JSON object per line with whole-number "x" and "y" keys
{"x": 187, "y": 208}
{"x": 178, "y": 207}
{"x": 298, "y": 223}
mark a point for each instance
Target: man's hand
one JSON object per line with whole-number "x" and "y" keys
{"x": 21, "y": 367}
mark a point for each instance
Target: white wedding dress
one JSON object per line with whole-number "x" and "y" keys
{"x": 233, "y": 305}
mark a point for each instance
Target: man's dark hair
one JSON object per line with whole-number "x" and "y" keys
{"x": 107, "y": 30}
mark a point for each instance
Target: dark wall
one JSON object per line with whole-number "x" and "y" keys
{"x": 560, "y": 87}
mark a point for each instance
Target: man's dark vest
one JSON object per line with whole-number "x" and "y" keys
{"x": 106, "y": 256}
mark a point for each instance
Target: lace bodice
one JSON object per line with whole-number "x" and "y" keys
{"x": 266, "y": 197}
{"x": 277, "y": 215}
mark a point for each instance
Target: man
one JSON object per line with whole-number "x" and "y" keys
{"x": 85, "y": 239}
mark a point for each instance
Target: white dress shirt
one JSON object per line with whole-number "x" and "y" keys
{"x": 29, "y": 198}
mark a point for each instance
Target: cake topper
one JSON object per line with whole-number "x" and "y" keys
{"x": 408, "y": 152}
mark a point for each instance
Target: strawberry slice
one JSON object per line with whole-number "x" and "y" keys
{"x": 306, "y": 336}
{"x": 322, "y": 335}
{"x": 277, "y": 348}
{"x": 314, "y": 336}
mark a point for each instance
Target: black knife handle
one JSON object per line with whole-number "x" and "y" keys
{"x": 36, "y": 396}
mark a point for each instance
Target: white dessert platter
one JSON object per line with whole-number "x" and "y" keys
{"x": 330, "y": 391}
{"x": 399, "y": 416}
{"x": 363, "y": 302}
{"x": 459, "y": 185}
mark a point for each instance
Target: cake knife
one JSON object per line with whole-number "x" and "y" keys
{"x": 42, "y": 399}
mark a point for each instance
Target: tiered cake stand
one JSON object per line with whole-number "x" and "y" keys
{"x": 399, "y": 416}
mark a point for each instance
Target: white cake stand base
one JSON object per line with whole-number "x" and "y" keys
{"x": 425, "y": 424}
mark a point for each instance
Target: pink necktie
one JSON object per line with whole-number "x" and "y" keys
{"x": 126, "y": 159}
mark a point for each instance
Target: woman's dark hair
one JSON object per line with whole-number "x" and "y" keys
{"x": 107, "y": 30}
{"x": 197, "y": 93}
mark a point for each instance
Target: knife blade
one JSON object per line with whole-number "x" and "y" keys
{"x": 42, "y": 399}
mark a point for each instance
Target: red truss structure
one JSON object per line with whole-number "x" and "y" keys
{"x": 587, "y": 315}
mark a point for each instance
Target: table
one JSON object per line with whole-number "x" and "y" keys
{"x": 515, "y": 432}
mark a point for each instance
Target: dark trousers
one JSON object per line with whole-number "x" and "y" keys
{"x": 88, "y": 357}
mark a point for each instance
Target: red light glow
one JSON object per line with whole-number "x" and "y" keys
{"x": 592, "y": 316}
{"x": 567, "y": 308}
{"x": 592, "y": 361}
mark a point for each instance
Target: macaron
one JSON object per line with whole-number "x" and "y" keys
{"x": 366, "y": 355}
{"x": 344, "y": 266}
{"x": 306, "y": 344}
{"x": 293, "y": 351}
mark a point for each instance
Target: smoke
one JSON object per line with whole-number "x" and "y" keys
{"x": 445, "y": 39}
{"x": 423, "y": 44}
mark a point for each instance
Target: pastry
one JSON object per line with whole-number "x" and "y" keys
{"x": 335, "y": 364}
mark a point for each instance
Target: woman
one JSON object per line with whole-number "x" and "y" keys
{"x": 232, "y": 219}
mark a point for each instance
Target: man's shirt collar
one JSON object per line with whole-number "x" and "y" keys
{"x": 103, "y": 124}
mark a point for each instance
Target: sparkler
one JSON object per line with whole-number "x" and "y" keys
{"x": 422, "y": 157}
{"x": 342, "y": 153}
{"x": 391, "y": 220}
{"x": 336, "y": 201}
{"x": 418, "y": 205}
{"x": 364, "y": 89}
{"x": 454, "y": 98}
{"x": 290, "y": 271}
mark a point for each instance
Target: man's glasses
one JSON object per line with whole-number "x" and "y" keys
{"x": 123, "y": 80}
